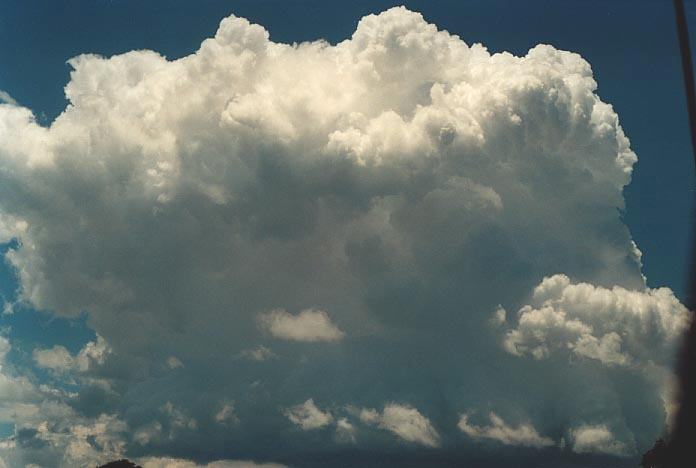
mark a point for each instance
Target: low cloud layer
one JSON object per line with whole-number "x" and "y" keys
{"x": 259, "y": 224}
{"x": 153, "y": 462}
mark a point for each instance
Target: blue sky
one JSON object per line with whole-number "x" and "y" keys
{"x": 633, "y": 51}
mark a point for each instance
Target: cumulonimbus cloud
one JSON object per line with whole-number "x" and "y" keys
{"x": 402, "y": 180}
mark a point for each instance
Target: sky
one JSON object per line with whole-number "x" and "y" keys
{"x": 337, "y": 239}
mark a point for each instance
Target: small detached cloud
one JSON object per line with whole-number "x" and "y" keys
{"x": 260, "y": 353}
{"x": 310, "y": 325}
{"x": 226, "y": 414}
{"x": 345, "y": 431}
{"x": 59, "y": 359}
{"x": 56, "y": 358}
{"x": 177, "y": 419}
{"x": 597, "y": 439}
{"x": 174, "y": 362}
{"x": 404, "y": 421}
{"x": 499, "y": 316}
{"x": 148, "y": 433}
{"x": 5, "y": 98}
{"x": 524, "y": 434}
{"x": 307, "y": 416}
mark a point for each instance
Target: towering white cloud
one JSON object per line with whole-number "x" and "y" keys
{"x": 613, "y": 326}
{"x": 403, "y": 181}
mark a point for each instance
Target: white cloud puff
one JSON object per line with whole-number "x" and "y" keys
{"x": 259, "y": 353}
{"x": 177, "y": 419}
{"x": 404, "y": 421}
{"x": 345, "y": 431}
{"x": 309, "y": 325}
{"x": 597, "y": 439}
{"x": 307, "y": 416}
{"x": 5, "y": 98}
{"x": 524, "y": 434}
{"x": 173, "y": 362}
{"x": 59, "y": 359}
{"x": 613, "y": 326}
{"x": 226, "y": 414}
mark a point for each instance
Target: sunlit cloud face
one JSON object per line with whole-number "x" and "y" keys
{"x": 498, "y": 430}
{"x": 309, "y": 325}
{"x": 314, "y": 246}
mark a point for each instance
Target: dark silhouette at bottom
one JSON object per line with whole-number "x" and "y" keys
{"x": 120, "y": 464}
{"x": 656, "y": 457}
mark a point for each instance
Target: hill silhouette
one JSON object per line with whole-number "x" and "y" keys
{"x": 120, "y": 464}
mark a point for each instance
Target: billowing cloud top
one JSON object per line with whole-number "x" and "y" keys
{"x": 391, "y": 191}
